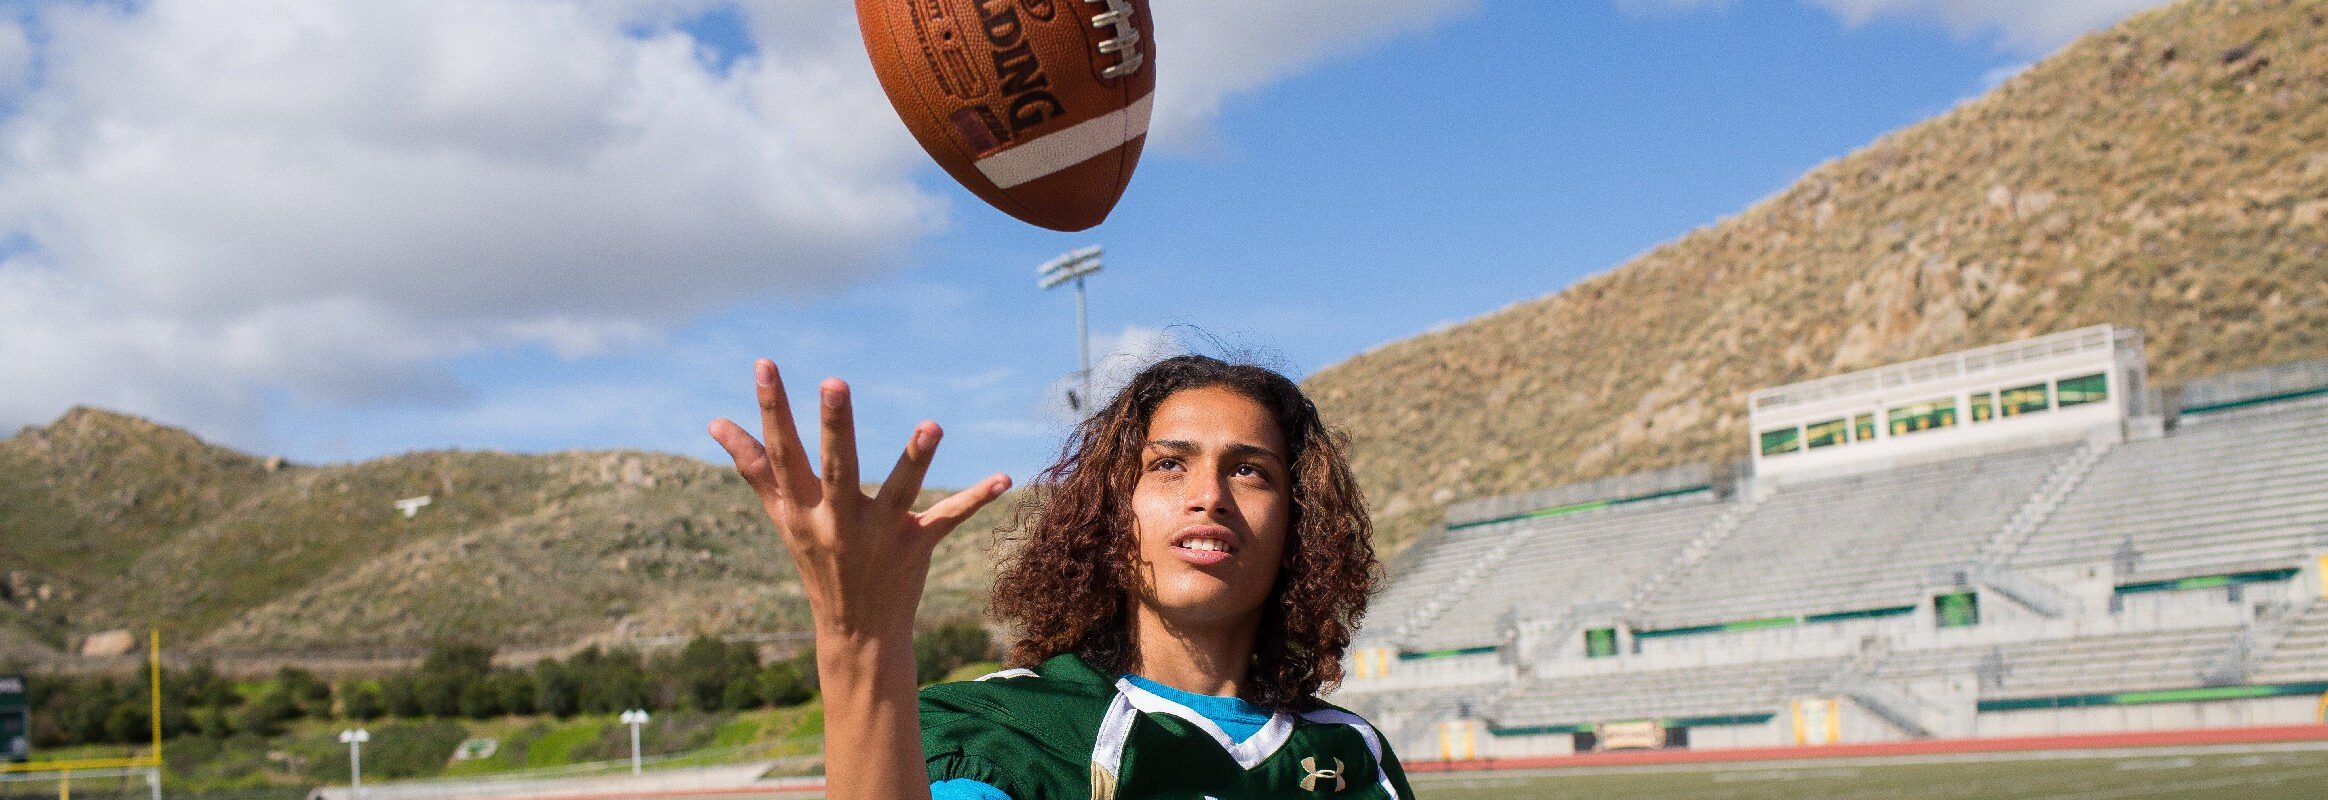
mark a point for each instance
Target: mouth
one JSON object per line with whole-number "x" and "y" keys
{"x": 1205, "y": 545}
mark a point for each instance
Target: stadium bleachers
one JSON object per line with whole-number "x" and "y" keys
{"x": 2228, "y": 491}
{"x": 1435, "y": 566}
{"x": 1650, "y": 694}
{"x": 1568, "y": 560}
{"x": 1851, "y": 543}
{"x": 2175, "y": 569}
{"x": 2301, "y": 653}
{"x": 2122, "y": 662}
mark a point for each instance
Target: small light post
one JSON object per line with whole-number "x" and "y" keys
{"x": 634, "y": 718}
{"x": 355, "y": 739}
{"x": 1075, "y": 266}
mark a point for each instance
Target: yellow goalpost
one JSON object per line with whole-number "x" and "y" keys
{"x": 150, "y": 764}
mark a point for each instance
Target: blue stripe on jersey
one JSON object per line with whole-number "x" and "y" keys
{"x": 1237, "y": 718}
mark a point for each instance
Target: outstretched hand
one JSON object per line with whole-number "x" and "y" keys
{"x": 863, "y": 560}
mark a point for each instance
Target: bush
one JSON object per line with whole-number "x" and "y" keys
{"x": 310, "y": 696}
{"x": 516, "y": 691}
{"x": 360, "y": 701}
{"x": 400, "y": 693}
{"x": 555, "y": 691}
{"x": 129, "y": 723}
{"x": 781, "y": 684}
{"x": 942, "y": 649}
{"x": 265, "y": 716}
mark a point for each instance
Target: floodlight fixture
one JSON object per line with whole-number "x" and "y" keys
{"x": 634, "y": 718}
{"x": 355, "y": 738}
{"x": 1075, "y": 266}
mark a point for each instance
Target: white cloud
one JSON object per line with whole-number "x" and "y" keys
{"x": 1115, "y": 360}
{"x": 210, "y": 207}
{"x": 223, "y": 199}
{"x": 2032, "y": 27}
{"x": 1212, "y": 50}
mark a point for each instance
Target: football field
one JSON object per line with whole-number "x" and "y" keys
{"x": 2254, "y": 773}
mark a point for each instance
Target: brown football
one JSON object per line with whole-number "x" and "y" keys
{"x": 1039, "y": 107}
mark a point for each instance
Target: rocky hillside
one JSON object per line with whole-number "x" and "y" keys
{"x": 2169, "y": 174}
{"x": 110, "y": 522}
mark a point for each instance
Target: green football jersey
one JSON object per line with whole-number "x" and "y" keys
{"x": 1065, "y": 731}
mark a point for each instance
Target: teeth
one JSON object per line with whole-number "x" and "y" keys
{"x": 1208, "y": 545}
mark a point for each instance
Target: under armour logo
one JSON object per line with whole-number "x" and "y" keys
{"x": 1309, "y": 783}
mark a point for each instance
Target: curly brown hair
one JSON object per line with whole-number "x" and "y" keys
{"x": 1068, "y": 585}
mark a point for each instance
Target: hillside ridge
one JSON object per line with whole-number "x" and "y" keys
{"x": 2168, "y": 174}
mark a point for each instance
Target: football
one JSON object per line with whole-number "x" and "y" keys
{"x": 1038, "y": 107}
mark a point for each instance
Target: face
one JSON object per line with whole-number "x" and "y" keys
{"x": 1213, "y": 503}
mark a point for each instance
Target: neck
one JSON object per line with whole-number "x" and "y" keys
{"x": 1212, "y": 658}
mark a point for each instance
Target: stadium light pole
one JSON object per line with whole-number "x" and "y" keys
{"x": 634, "y": 718}
{"x": 1075, "y": 266}
{"x": 355, "y": 738}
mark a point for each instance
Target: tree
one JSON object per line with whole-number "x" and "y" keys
{"x": 265, "y": 716}
{"x": 781, "y": 684}
{"x": 708, "y": 667}
{"x": 516, "y": 690}
{"x": 359, "y": 701}
{"x": 555, "y": 691}
{"x": 479, "y": 699}
{"x": 310, "y": 696}
{"x": 947, "y": 647}
{"x": 446, "y": 675}
{"x": 401, "y": 694}
{"x": 128, "y": 723}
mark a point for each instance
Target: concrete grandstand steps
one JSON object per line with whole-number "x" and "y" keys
{"x": 2168, "y": 659}
{"x": 1869, "y": 539}
{"x": 1559, "y": 562}
{"x": 2300, "y": 652}
{"x": 1697, "y": 691}
{"x": 2240, "y": 488}
{"x": 2066, "y": 476}
{"x": 1434, "y": 568}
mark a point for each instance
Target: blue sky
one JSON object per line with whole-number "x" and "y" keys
{"x": 528, "y": 252}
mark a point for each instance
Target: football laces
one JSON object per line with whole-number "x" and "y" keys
{"x": 1125, "y": 44}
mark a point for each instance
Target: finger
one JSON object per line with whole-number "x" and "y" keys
{"x": 905, "y": 479}
{"x": 940, "y": 519}
{"x": 788, "y": 459}
{"x": 751, "y": 459}
{"x": 839, "y": 438}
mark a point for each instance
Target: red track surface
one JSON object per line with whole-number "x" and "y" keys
{"x": 2097, "y": 741}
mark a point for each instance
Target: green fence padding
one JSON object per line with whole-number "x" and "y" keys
{"x": 1776, "y": 622}
{"x": 1667, "y": 722}
{"x": 2209, "y": 581}
{"x": 1589, "y": 505}
{"x": 2197, "y": 695}
{"x": 2209, "y": 408}
{"x": 1421, "y": 655}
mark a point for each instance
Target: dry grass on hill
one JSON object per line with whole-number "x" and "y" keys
{"x": 2169, "y": 174}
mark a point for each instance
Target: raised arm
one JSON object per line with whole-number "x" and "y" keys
{"x": 863, "y": 562}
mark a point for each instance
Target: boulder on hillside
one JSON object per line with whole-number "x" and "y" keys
{"x": 109, "y": 644}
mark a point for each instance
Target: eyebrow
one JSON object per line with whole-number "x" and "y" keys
{"x": 1234, "y": 448}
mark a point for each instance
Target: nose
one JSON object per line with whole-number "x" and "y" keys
{"x": 1208, "y": 496}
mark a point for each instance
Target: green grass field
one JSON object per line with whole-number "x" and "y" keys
{"x": 2259, "y": 772}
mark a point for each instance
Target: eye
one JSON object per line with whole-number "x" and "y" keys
{"x": 1250, "y": 471}
{"x": 1165, "y": 463}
